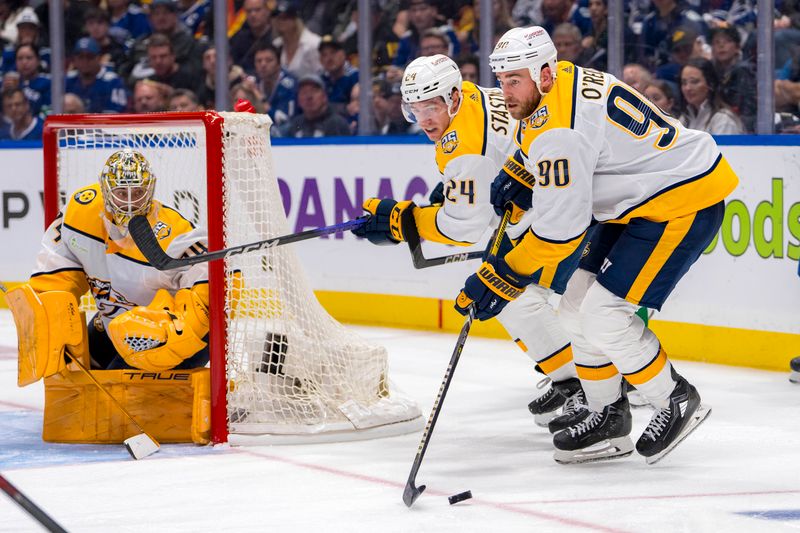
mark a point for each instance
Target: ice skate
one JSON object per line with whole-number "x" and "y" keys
{"x": 670, "y": 425}
{"x": 794, "y": 377}
{"x": 574, "y": 412}
{"x": 545, "y": 407}
{"x": 601, "y": 436}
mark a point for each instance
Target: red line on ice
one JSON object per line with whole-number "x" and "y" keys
{"x": 20, "y": 406}
{"x": 379, "y": 481}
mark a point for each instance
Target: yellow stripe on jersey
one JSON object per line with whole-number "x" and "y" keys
{"x": 533, "y": 254}
{"x": 466, "y": 134}
{"x": 687, "y": 197}
{"x": 596, "y": 373}
{"x": 553, "y": 362}
{"x": 425, "y": 219}
{"x": 673, "y": 234}
{"x": 649, "y": 371}
{"x": 555, "y": 108}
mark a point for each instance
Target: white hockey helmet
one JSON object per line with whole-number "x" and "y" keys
{"x": 530, "y": 48}
{"x": 426, "y": 78}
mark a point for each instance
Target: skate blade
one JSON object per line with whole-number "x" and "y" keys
{"x": 794, "y": 377}
{"x": 543, "y": 419}
{"x": 698, "y": 417}
{"x": 602, "y": 451}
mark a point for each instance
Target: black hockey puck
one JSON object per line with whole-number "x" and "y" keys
{"x": 460, "y": 497}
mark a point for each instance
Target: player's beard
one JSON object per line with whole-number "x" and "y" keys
{"x": 525, "y": 109}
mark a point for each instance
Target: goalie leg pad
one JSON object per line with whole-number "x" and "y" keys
{"x": 47, "y": 324}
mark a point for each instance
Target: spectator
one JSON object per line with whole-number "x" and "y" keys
{"x": 206, "y": 90}
{"x": 27, "y": 33}
{"x": 184, "y": 100}
{"x": 433, "y": 41}
{"x": 385, "y": 41}
{"x": 243, "y": 91}
{"x": 422, "y": 15}
{"x": 254, "y": 33}
{"x": 101, "y": 90}
{"x": 684, "y": 43}
{"x": 661, "y": 93}
{"x": 150, "y": 96}
{"x": 98, "y": 25}
{"x": 73, "y": 16}
{"x": 164, "y": 19}
{"x": 10, "y": 10}
{"x": 636, "y": 76}
{"x": 278, "y": 88}
{"x": 299, "y": 46}
{"x": 193, "y": 14}
{"x": 35, "y": 85}
{"x": 737, "y": 76}
{"x": 502, "y": 23}
{"x": 703, "y": 108}
{"x": 567, "y": 39}
{"x": 469, "y": 69}
{"x": 339, "y": 76}
{"x": 317, "y": 118}
{"x": 555, "y": 12}
{"x": 527, "y": 13}
{"x": 165, "y": 69}
{"x": 73, "y": 104}
{"x": 21, "y": 125}
{"x": 659, "y": 25}
{"x": 128, "y": 21}
{"x": 389, "y": 108}
{"x": 354, "y": 108}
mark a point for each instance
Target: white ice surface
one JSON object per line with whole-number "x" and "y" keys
{"x": 737, "y": 472}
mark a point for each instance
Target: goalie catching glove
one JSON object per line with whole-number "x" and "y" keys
{"x": 383, "y": 225}
{"x": 491, "y": 288}
{"x": 513, "y": 184}
{"x": 163, "y": 334}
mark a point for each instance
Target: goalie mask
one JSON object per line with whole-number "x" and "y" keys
{"x": 520, "y": 48}
{"x": 428, "y": 81}
{"x": 127, "y": 185}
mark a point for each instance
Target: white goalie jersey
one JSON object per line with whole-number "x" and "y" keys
{"x": 82, "y": 250}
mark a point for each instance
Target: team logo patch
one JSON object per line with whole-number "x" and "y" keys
{"x": 450, "y": 142}
{"x": 539, "y": 118}
{"x": 85, "y": 196}
{"x": 161, "y": 230}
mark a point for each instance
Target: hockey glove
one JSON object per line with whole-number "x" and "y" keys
{"x": 513, "y": 184}
{"x": 437, "y": 194}
{"x": 383, "y": 226}
{"x": 490, "y": 289}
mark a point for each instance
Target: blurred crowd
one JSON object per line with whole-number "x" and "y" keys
{"x": 298, "y": 61}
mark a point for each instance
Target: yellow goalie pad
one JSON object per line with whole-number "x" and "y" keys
{"x": 47, "y": 324}
{"x": 160, "y": 336}
{"x": 172, "y": 406}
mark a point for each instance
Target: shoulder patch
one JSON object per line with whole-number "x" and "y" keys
{"x": 449, "y": 142}
{"x": 85, "y": 196}
{"x": 539, "y": 118}
{"x": 162, "y": 230}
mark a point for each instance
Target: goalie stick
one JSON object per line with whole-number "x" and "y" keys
{"x": 411, "y": 491}
{"x": 34, "y": 510}
{"x": 411, "y": 235}
{"x": 145, "y": 239}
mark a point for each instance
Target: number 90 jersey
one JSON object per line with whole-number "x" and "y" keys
{"x": 600, "y": 149}
{"x": 469, "y": 155}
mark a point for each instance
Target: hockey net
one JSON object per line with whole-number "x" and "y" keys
{"x": 282, "y": 369}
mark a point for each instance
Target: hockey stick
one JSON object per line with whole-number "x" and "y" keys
{"x": 411, "y": 235}
{"x": 34, "y": 510}
{"x": 139, "y": 446}
{"x": 145, "y": 239}
{"x": 412, "y": 492}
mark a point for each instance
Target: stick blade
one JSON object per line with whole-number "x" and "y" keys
{"x": 411, "y": 493}
{"x": 141, "y": 446}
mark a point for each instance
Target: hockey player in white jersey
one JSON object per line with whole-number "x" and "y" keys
{"x": 474, "y": 137}
{"x": 598, "y": 151}
{"x": 145, "y": 319}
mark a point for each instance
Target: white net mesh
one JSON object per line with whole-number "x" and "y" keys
{"x": 292, "y": 369}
